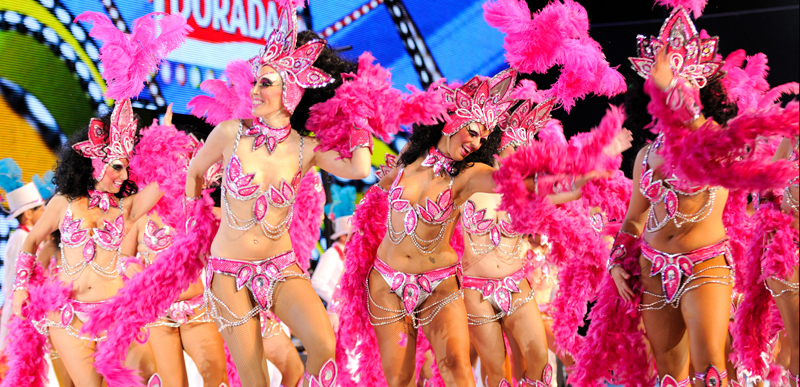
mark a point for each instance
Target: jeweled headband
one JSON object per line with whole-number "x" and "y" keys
{"x": 293, "y": 65}
{"x": 105, "y": 145}
{"x": 479, "y": 100}
{"x": 689, "y": 55}
{"x": 522, "y": 125}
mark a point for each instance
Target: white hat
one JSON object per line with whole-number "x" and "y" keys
{"x": 341, "y": 226}
{"x": 23, "y": 198}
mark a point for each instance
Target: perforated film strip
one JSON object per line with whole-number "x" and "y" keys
{"x": 350, "y": 18}
{"x": 426, "y": 66}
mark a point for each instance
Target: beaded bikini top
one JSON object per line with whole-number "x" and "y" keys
{"x": 155, "y": 238}
{"x": 475, "y": 223}
{"x": 238, "y": 184}
{"x": 108, "y": 238}
{"x": 666, "y": 190}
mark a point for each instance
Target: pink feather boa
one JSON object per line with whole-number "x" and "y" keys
{"x": 128, "y": 59}
{"x": 162, "y": 156}
{"x": 715, "y": 155}
{"x": 228, "y": 100}
{"x": 748, "y": 86}
{"x": 25, "y": 347}
{"x": 355, "y": 333}
{"x": 611, "y": 195}
{"x": 147, "y": 295}
{"x": 308, "y": 207}
{"x": 366, "y": 99}
{"x": 556, "y": 35}
{"x": 772, "y": 252}
{"x": 424, "y": 107}
{"x": 696, "y": 6}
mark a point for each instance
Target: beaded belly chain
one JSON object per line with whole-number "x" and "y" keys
{"x": 237, "y": 185}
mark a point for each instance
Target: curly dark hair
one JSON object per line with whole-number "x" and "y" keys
{"x": 423, "y": 137}
{"x": 73, "y": 174}
{"x": 713, "y": 97}
{"x": 331, "y": 63}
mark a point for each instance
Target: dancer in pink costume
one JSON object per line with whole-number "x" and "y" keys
{"x": 671, "y": 262}
{"x": 94, "y": 188}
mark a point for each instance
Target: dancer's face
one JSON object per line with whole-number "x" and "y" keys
{"x": 267, "y": 94}
{"x": 467, "y": 140}
{"x": 116, "y": 174}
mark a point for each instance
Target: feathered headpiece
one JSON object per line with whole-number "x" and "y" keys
{"x": 105, "y": 145}
{"x": 343, "y": 202}
{"x": 522, "y": 125}
{"x": 293, "y": 65}
{"x": 229, "y": 100}
{"x": 45, "y": 184}
{"x": 690, "y": 55}
{"x": 479, "y": 100}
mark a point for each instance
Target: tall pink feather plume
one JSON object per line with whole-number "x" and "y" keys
{"x": 748, "y": 86}
{"x": 25, "y": 346}
{"x": 230, "y": 367}
{"x": 718, "y": 156}
{"x": 771, "y": 255}
{"x": 558, "y": 34}
{"x": 527, "y": 90}
{"x": 147, "y": 295}
{"x": 162, "y": 156}
{"x": 599, "y": 137}
{"x": 696, "y": 6}
{"x": 229, "y": 100}
{"x": 355, "y": 333}
{"x": 366, "y": 99}
{"x": 128, "y": 59}
{"x": 553, "y": 133}
{"x": 423, "y": 345}
{"x": 308, "y": 208}
{"x": 424, "y": 107}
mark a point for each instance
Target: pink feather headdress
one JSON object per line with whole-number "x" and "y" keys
{"x": 128, "y": 59}
{"x": 696, "y": 6}
{"x": 479, "y": 100}
{"x": 521, "y": 127}
{"x": 106, "y": 145}
{"x": 293, "y": 65}
{"x": 556, "y": 35}
{"x": 690, "y": 55}
{"x": 229, "y": 100}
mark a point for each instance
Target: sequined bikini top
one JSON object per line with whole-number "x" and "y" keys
{"x": 666, "y": 190}
{"x": 433, "y": 213}
{"x": 108, "y": 238}
{"x": 475, "y": 223}
{"x": 155, "y": 240}
{"x": 238, "y": 184}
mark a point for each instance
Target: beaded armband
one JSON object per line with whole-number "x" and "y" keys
{"x": 623, "y": 244}
{"x": 25, "y": 262}
{"x": 553, "y": 184}
{"x": 124, "y": 262}
{"x": 681, "y": 99}
{"x": 360, "y": 138}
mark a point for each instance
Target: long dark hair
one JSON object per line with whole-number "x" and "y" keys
{"x": 423, "y": 137}
{"x": 73, "y": 174}
{"x": 334, "y": 65}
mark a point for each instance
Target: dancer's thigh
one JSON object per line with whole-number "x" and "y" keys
{"x": 449, "y": 335}
{"x": 140, "y": 357}
{"x": 167, "y": 348}
{"x": 244, "y": 340}
{"x": 203, "y": 343}
{"x": 299, "y": 307}
{"x": 396, "y": 340}
{"x": 77, "y": 356}
{"x": 487, "y": 338}
{"x": 527, "y": 327}
{"x": 706, "y": 313}
{"x": 665, "y": 329}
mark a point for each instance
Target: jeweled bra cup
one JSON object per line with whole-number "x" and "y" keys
{"x": 108, "y": 238}
{"x": 475, "y": 223}
{"x": 238, "y": 185}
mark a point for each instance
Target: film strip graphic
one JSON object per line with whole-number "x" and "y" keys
{"x": 13, "y": 21}
{"x": 424, "y": 64}
{"x": 152, "y": 87}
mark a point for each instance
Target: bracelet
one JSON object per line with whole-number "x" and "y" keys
{"x": 553, "y": 184}
{"x": 623, "y": 244}
{"x": 360, "y": 138}
{"x": 25, "y": 262}
{"x": 680, "y": 98}
{"x": 124, "y": 262}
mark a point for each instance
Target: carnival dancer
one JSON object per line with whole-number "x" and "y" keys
{"x": 94, "y": 190}
{"x": 252, "y": 248}
{"x": 671, "y": 261}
